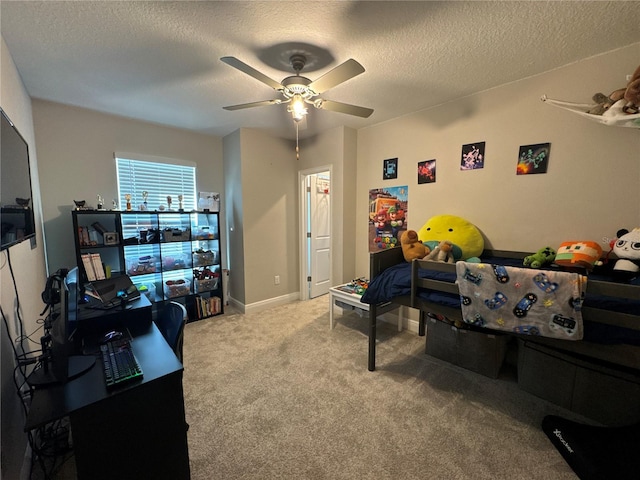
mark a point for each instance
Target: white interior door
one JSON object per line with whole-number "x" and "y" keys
{"x": 319, "y": 233}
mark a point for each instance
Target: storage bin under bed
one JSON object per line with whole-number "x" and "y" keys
{"x": 473, "y": 350}
{"x": 600, "y": 391}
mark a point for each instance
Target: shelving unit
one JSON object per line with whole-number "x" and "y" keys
{"x": 169, "y": 255}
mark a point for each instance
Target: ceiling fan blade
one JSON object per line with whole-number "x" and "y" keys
{"x": 341, "y": 73}
{"x": 254, "y": 104}
{"x": 344, "y": 108}
{"x": 243, "y": 67}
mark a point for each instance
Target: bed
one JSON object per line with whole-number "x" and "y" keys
{"x": 610, "y": 309}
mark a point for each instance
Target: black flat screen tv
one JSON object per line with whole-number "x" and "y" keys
{"x": 16, "y": 200}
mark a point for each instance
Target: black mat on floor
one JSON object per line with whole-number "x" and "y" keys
{"x": 596, "y": 452}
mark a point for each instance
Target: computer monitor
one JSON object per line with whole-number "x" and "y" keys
{"x": 58, "y": 365}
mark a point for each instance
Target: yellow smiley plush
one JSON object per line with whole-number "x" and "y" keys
{"x": 464, "y": 235}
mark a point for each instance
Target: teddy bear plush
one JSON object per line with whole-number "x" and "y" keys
{"x": 632, "y": 94}
{"x": 412, "y": 247}
{"x": 542, "y": 257}
{"x": 443, "y": 252}
{"x": 629, "y": 98}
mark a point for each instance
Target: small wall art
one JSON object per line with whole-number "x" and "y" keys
{"x": 472, "y": 156}
{"x": 426, "y": 171}
{"x": 390, "y": 169}
{"x": 533, "y": 159}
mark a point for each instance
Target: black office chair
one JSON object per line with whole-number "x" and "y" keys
{"x": 171, "y": 321}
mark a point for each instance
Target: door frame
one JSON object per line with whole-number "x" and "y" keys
{"x": 303, "y": 209}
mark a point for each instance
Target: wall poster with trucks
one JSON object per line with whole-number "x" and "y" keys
{"x": 387, "y": 217}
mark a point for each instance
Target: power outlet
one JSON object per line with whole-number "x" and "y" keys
{"x": 276, "y": 279}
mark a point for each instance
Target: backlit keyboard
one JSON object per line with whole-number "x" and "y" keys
{"x": 120, "y": 364}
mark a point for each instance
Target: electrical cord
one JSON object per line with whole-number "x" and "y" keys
{"x": 49, "y": 444}
{"x": 19, "y": 378}
{"x": 18, "y": 308}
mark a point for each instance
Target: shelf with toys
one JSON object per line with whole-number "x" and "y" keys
{"x": 168, "y": 255}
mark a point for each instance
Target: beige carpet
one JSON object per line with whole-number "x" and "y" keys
{"x": 277, "y": 395}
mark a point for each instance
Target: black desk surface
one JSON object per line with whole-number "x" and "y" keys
{"x": 154, "y": 355}
{"x": 90, "y": 310}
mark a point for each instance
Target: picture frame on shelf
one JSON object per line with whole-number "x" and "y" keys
{"x": 111, "y": 238}
{"x": 209, "y": 201}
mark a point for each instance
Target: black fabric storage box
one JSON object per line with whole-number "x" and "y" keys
{"x": 474, "y": 350}
{"x": 599, "y": 391}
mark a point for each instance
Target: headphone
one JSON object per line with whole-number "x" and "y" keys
{"x": 51, "y": 293}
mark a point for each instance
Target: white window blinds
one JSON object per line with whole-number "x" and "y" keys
{"x": 160, "y": 179}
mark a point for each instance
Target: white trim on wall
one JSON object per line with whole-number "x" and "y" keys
{"x": 152, "y": 158}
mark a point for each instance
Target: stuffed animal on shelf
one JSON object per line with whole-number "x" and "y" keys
{"x": 467, "y": 240}
{"x": 627, "y": 249}
{"x": 443, "y": 252}
{"x": 541, "y": 258}
{"x": 412, "y": 248}
{"x": 579, "y": 254}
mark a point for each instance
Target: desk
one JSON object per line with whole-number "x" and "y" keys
{"x": 352, "y": 299}
{"x": 89, "y": 319}
{"x": 137, "y": 431}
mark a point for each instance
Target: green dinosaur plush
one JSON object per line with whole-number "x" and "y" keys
{"x": 541, "y": 258}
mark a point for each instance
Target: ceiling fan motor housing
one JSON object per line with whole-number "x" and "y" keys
{"x": 297, "y": 85}
{"x": 298, "y": 61}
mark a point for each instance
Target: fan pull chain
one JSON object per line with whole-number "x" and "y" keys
{"x": 297, "y": 149}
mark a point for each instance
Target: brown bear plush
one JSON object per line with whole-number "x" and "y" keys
{"x": 632, "y": 94}
{"x": 629, "y": 97}
{"x": 412, "y": 247}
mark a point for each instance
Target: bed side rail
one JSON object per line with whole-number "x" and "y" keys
{"x": 594, "y": 287}
{"x": 611, "y": 289}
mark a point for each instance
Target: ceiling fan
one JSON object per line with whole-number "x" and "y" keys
{"x": 298, "y": 91}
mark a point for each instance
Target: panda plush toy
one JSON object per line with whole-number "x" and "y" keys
{"x": 627, "y": 249}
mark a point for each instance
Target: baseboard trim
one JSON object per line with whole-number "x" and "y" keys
{"x": 392, "y": 318}
{"x": 407, "y": 324}
{"x": 265, "y": 304}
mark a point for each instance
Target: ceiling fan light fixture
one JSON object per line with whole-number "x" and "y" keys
{"x": 297, "y": 108}
{"x": 298, "y": 91}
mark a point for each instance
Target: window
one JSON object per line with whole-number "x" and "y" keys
{"x": 160, "y": 178}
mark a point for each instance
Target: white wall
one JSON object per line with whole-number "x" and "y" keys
{"x": 337, "y": 148}
{"x": 77, "y": 163}
{"x": 270, "y": 216}
{"x": 591, "y": 189}
{"x": 29, "y": 274}
{"x": 233, "y": 213}
{"x": 263, "y": 210}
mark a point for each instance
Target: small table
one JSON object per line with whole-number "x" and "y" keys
{"x": 340, "y": 293}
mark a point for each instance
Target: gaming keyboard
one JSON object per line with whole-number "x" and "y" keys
{"x": 120, "y": 364}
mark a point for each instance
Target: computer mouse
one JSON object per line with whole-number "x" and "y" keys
{"x": 110, "y": 336}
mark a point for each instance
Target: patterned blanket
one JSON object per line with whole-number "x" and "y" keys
{"x": 522, "y": 300}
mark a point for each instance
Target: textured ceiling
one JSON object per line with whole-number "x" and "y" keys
{"x": 159, "y": 61}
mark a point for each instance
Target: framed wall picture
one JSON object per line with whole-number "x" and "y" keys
{"x": 472, "y": 156}
{"x": 533, "y": 159}
{"x": 390, "y": 169}
{"x": 426, "y": 171}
